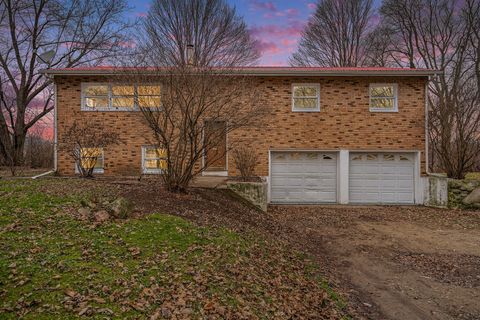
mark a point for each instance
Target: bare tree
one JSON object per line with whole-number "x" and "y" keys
{"x": 194, "y": 49}
{"x": 245, "y": 160}
{"x": 335, "y": 35}
{"x": 64, "y": 33}
{"x": 220, "y": 37}
{"x": 199, "y": 108}
{"x": 38, "y": 149}
{"x": 443, "y": 35}
{"x": 85, "y": 142}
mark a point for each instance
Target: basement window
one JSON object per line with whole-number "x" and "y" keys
{"x": 306, "y": 97}
{"x": 383, "y": 97}
{"x": 91, "y": 158}
{"x": 154, "y": 159}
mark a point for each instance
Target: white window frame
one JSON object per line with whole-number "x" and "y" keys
{"x": 147, "y": 95}
{"x": 395, "y": 97}
{"x": 146, "y": 170}
{"x": 95, "y": 170}
{"x": 111, "y": 97}
{"x": 84, "y": 85}
{"x": 312, "y": 85}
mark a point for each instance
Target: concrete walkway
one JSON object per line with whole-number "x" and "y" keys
{"x": 209, "y": 182}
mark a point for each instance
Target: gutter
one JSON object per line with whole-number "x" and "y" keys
{"x": 263, "y": 72}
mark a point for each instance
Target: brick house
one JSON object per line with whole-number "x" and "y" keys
{"x": 334, "y": 135}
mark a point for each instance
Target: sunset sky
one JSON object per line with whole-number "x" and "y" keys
{"x": 276, "y": 25}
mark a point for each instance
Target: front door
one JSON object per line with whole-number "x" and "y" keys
{"x": 215, "y": 135}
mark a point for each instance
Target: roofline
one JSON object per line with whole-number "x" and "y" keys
{"x": 269, "y": 71}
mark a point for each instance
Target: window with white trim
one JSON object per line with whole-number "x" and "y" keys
{"x": 306, "y": 97}
{"x": 123, "y": 96}
{"x": 96, "y": 96}
{"x": 120, "y": 97}
{"x": 149, "y": 96}
{"x": 154, "y": 159}
{"x": 383, "y": 97}
{"x": 91, "y": 158}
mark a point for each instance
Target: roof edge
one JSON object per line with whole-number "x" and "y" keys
{"x": 269, "y": 71}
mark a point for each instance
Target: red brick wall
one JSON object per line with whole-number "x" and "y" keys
{"x": 344, "y": 121}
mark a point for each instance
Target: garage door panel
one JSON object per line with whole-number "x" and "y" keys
{"x": 303, "y": 177}
{"x": 365, "y": 169}
{"x": 381, "y": 178}
{"x": 392, "y": 170}
{"x": 368, "y": 197}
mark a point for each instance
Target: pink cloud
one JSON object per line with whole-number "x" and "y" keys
{"x": 312, "y": 6}
{"x": 289, "y": 42}
{"x": 268, "y": 47}
{"x": 141, "y": 14}
{"x": 292, "y": 12}
{"x": 292, "y": 29}
{"x": 263, "y": 5}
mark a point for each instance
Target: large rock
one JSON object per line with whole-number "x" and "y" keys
{"x": 84, "y": 213}
{"x": 473, "y": 198}
{"x": 101, "y": 216}
{"x": 120, "y": 208}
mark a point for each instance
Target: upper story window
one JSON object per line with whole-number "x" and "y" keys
{"x": 383, "y": 97}
{"x": 119, "y": 97}
{"x": 149, "y": 96}
{"x": 96, "y": 96}
{"x": 123, "y": 97}
{"x": 306, "y": 97}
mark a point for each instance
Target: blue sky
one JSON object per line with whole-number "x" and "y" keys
{"x": 276, "y": 25}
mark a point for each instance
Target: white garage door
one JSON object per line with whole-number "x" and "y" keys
{"x": 382, "y": 178}
{"x": 303, "y": 177}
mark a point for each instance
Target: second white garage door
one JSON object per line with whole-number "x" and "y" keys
{"x": 303, "y": 177}
{"x": 382, "y": 178}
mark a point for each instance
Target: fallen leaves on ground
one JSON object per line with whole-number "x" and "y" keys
{"x": 156, "y": 267}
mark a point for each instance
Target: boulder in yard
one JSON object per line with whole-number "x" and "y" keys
{"x": 84, "y": 213}
{"x": 101, "y": 216}
{"x": 120, "y": 208}
{"x": 473, "y": 198}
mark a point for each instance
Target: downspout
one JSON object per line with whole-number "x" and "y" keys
{"x": 55, "y": 135}
{"x": 55, "y": 140}
{"x": 426, "y": 127}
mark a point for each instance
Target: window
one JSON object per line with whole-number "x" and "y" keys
{"x": 96, "y": 96}
{"x": 153, "y": 159}
{"x": 91, "y": 158}
{"x": 123, "y": 96}
{"x": 149, "y": 96}
{"x": 119, "y": 97}
{"x": 306, "y": 97}
{"x": 388, "y": 157}
{"x": 383, "y": 98}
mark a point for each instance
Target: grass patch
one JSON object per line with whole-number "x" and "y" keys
{"x": 54, "y": 266}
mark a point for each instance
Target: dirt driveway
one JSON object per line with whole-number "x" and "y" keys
{"x": 395, "y": 262}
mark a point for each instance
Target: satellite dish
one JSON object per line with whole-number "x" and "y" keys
{"x": 46, "y": 57}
